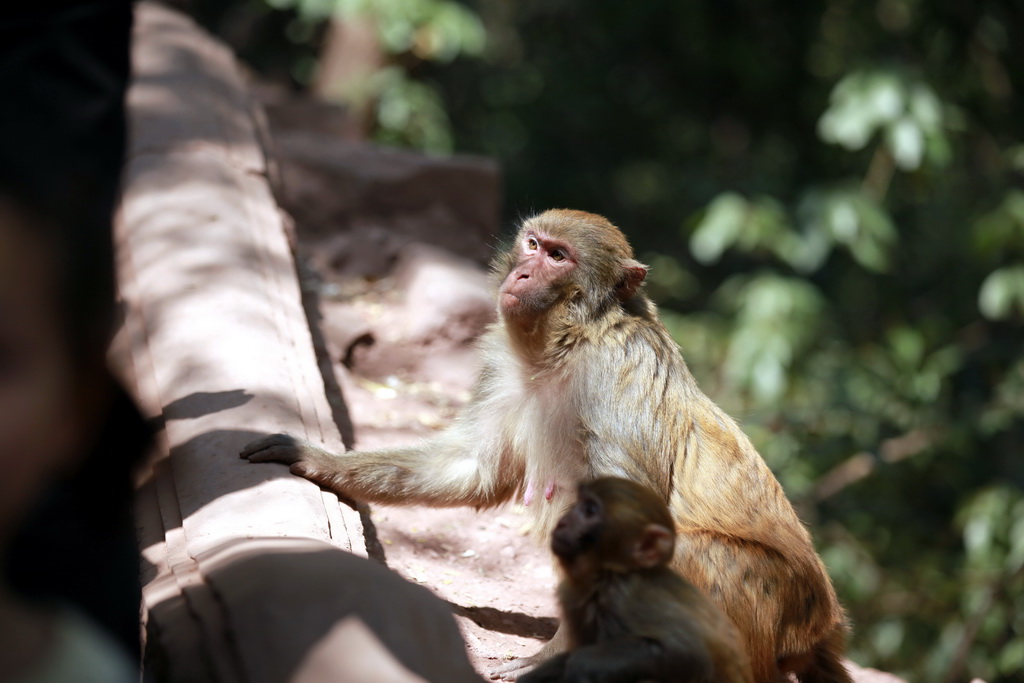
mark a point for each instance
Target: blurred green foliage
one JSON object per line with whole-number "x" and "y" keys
{"x": 284, "y": 39}
{"x": 830, "y": 197}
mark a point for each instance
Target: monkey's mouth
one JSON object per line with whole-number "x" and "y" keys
{"x": 561, "y": 547}
{"x": 511, "y": 302}
{"x": 567, "y": 547}
{"x": 508, "y": 289}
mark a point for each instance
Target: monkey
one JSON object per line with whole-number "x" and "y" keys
{"x": 627, "y": 615}
{"x": 580, "y": 379}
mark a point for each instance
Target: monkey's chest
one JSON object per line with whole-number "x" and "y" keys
{"x": 601, "y": 618}
{"x": 548, "y": 438}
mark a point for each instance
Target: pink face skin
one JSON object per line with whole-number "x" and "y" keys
{"x": 543, "y": 261}
{"x": 40, "y": 421}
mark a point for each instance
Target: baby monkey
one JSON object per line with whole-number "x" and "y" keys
{"x": 628, "y": 616}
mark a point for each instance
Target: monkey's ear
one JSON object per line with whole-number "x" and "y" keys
{"x": 633, "y": 274}
{"x": 654, "y": 547}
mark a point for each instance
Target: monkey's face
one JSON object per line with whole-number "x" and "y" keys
{"x": 565, "y": 257}
{"x": 542, "y": 265}
{"x": 593, "y": 536}
{"x": 579, "y": 529}
{"x": 616, "y": 525}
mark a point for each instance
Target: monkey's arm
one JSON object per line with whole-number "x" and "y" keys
{"x": 470, "y": 463}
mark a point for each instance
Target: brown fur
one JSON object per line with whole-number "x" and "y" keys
{"x": 627, "y": 615}
{"x": 580, "y": 379}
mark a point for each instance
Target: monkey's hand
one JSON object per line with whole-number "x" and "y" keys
{"x": 281, "y": 448}
{"x": 304, "y": 459}
{"x": 512, "y": 670}
{"x": 551, "y": 671}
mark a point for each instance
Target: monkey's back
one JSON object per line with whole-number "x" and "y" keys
{"x": 739, "y": 539}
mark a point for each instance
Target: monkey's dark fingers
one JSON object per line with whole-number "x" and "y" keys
{"x": 274, "y": 448}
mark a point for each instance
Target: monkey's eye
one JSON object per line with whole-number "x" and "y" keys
{"x": 532, "y": 244}
{"x": 590, "y": 507}
{"x": 557, "y": 255}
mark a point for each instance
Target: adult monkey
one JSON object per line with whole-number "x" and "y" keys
{"x": 580, "y": 379}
